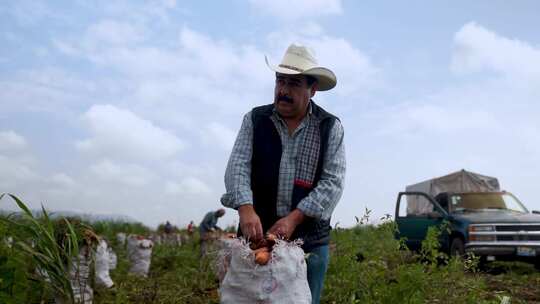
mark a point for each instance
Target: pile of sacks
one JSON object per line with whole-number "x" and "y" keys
{"x": 272, "y": 272}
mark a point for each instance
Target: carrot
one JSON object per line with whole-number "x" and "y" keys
{"x": 262, "y": 249}
{"x": 262, "y": 257}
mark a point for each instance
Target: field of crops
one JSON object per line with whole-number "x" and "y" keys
{"x": 367, "y": 266}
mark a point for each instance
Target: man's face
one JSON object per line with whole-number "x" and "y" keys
{"x": 292, "y": 94}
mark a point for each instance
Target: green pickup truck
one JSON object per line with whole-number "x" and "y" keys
{"x": 492, "y": 224}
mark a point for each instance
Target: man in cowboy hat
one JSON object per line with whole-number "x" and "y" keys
{"x": 286, "y": 171}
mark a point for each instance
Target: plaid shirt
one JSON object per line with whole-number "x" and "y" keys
{"x": 320, "y": 202}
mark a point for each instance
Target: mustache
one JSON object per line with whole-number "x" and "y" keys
{"x": 285, "y": 99}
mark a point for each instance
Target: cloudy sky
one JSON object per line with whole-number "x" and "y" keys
{"x": 132, "y": 107}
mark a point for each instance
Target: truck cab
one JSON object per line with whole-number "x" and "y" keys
{"x": 492, "y": 224}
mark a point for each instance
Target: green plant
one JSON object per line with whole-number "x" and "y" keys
{"x": 51, "y": 246}
{"x": 430, "y": 250}
{"x": 14, "y": 281}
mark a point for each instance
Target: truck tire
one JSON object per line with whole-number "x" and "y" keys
{"x": 537, "y": 264}
{"x": 457, "y": 248}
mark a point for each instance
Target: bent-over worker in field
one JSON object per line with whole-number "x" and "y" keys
{"x": 286, "y": 171}
{"x": 209, "y": 225}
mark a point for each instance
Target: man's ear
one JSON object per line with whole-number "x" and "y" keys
{"x": 314, "y": 88}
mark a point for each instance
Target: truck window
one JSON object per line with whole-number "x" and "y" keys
{"x": 485, "y": 201}
{"x": 414, "y": 205}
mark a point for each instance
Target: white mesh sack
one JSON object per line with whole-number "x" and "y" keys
{"x": 113, "y": 259}
{"x": 283, "y": 280}
{"x": 139, "y": 251}
{"x": 79, "y": 274}
{"x": 102, "y": 276}
{"x": 121, "y": 238}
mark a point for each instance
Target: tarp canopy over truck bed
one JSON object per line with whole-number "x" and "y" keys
{"x": 460, "y": 181}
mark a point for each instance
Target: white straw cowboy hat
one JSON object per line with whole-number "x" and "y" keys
{"x": 298, "y": 60}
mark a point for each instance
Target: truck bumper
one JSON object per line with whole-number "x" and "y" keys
{"x": 503, "y": 252}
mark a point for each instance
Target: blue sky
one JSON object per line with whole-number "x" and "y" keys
{"x": 131, "y": 107}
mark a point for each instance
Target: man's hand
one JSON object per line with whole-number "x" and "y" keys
{"x": 250, "y": 223}
{"x": 285, "y": 226}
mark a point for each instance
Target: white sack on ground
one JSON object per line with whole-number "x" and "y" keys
{"x": 224, "y": 257}
{"x": 102, "y": 276}
{"x": 283, "y": 280}
{"x": 79, "y": 274}
{"x": 121, "y": 238}
{"x": 113, "y": 259}
{"x": 139, "y": 252}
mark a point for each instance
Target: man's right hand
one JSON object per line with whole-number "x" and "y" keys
{"x": 250, "y": 223}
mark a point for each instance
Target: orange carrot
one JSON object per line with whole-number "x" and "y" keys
{"x": 262, "y": 257}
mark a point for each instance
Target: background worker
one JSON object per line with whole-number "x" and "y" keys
{"x": 207, "y": 226}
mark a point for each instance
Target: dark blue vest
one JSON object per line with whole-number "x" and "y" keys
{"x": 265, "y": 163}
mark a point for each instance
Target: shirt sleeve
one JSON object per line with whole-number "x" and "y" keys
{"x": 238, "y": 172}
{"x": 322, "y": 200}
{"x": 214, "y": 221}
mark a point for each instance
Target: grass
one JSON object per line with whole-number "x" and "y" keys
{"x": 367, "y": 265}
{"x": 50, "y": 246}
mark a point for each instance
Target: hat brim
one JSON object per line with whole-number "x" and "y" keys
{"x": 326, "y": 79}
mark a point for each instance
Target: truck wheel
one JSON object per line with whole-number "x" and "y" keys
{"x": 537, "y": 264}
{"x": 457, "y": 248}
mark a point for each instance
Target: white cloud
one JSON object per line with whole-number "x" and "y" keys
{"x": 477, "y": 49}
{"x": 46, "y": 90}
{"x": 126, "y": 174}
{"x": 297, "y": 9}
{"x": 113, "y": 32}
{"x": 409, "y": 120}
{"x": 169, "y": 3}
{"x": 63, "y": 180}
{"x": 120, "y": 133}
{"x": 28, "y": 13}
{"x": 193, "y": 69}
{"x": 15, "y": 171}
{"x": 11, "y": 141}
{"x": 217, "y": 135}
{"x": 16, "y": 163}
{"x": 189, "y": 185}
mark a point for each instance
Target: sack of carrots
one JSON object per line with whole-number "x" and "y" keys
{"x": 269, "y": 271}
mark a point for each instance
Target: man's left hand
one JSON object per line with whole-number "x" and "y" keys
{"x": 285, "y": 226}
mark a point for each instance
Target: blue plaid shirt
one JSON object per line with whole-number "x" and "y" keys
{"x": 320, "y": 202}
